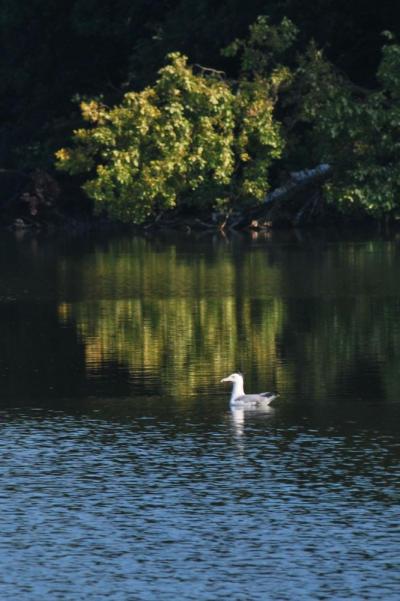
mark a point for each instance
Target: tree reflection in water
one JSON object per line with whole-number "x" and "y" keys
{"x": 316, "y": 319}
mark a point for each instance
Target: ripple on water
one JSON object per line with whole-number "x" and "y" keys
{"x": 103, "y": 509}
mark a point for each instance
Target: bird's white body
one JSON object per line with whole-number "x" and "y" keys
{"x": 240, "y": 399}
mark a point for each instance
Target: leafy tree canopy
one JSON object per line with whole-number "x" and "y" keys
{"x": 190, "y": 138}
{"x": 196, "y": 138}
{"x": 357, "y": 131}
{"x": 332, "y": 100}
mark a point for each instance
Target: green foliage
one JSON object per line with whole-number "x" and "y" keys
{"x": 329, "y": 118}
{"x": 266, "y": 47}
{"x": 153, "y": 151}
{"x": 357, "y": 131}
{"x": 189, "y": 138}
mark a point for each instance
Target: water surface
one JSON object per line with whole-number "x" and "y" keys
{"x": 124, "y": 473}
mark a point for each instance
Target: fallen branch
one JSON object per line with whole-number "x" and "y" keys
{"x": 300, "y": 182}
{"x": 209, "y": 71}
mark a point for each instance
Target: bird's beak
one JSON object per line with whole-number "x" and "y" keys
{"x": 226, "y": 379}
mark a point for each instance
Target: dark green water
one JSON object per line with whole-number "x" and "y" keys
{"x": 124, "y": 473}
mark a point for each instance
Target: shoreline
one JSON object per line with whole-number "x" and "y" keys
{"x": 38, "y": 202}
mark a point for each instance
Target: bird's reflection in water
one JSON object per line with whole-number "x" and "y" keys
{"x": 238, "y": 417}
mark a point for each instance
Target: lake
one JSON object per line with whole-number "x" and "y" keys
{"x": 125, "y": 474}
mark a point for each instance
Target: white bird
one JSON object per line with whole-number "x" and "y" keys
{"x": 240, "y": 399}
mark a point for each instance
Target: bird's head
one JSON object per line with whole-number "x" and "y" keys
{"x": 236, "y": 377}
